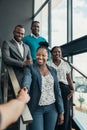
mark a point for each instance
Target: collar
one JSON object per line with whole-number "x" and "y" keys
{"x": 32, "y": 35}
{"x": 17, "y": 42}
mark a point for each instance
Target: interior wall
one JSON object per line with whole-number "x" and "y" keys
{"x": 12, "y": 13}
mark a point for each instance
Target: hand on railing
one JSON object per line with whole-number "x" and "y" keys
{"x": 70, "y": 94}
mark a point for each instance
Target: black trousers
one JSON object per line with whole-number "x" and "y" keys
{"x": 65, "y": 90}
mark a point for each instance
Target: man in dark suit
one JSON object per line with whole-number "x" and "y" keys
{"x": 15, "y": 53}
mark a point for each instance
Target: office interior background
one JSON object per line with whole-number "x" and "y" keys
{"x": 62, "y": 22}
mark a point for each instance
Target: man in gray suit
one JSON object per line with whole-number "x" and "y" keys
{"x": 16, "y": 54}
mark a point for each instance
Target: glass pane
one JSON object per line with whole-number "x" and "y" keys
{"x": 42, "y": 17}
{"x": 80, "y": 96}
{"x": 59, "y": 22}
{"x": 79, "y": 30}
{"x": 79, "y": 18}
{"x": 38, "y": 4}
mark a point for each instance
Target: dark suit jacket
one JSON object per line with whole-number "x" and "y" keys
{"x": 32, "y": 80}
{"x": 12, "y": 57}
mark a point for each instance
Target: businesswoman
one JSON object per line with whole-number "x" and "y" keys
{"x": 65, "y": 82}
{"x": 45, "y": 103}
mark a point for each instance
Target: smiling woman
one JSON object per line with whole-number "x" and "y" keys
{"x": 46, "y": 101}
{"x": 66, "y": 85}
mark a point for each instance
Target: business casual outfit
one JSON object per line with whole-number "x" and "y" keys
{"x": 14, "y": 55}
{"x": 33, "y": 42}
{"x": 46, "y": 101}
{"x": 62, "y": 69}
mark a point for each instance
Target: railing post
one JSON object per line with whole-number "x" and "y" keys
{"x": 5, "y": 89}
{"x": 26, "y": 115}
{"x": 22, "y": 126}
{"x": 0, "y": 76}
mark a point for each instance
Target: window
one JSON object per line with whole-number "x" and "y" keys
{"x": 79, "y": 18}
{"x": 80, "y": 95}
{"x": 42, "y": 17}
{"x": 59, "y": 22}
{"x": 38, "y": 4}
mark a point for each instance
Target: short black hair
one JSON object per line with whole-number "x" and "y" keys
{"x": 42, "y": 47}
{"x": 34, "y": 22}
{"x": 44, "y": 44}
{"x": 18, "y": 26}
{"x": 54, "y": 48}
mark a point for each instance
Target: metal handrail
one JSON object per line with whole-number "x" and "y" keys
{"x": 75, "y": 68}
{"x": 26, "y": 115}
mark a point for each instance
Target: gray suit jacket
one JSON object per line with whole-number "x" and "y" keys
{"x": 12, "y": 57}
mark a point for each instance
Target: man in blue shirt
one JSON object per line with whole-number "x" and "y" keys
{"x": 33, "y": 39}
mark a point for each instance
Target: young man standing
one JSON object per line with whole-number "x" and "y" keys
{"x": 33, "y": 39}
{"x": 15, "y": 53}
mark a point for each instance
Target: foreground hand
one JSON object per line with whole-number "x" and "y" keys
{"x": 60, "y": 119}
{"x": 23, "y": 95}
